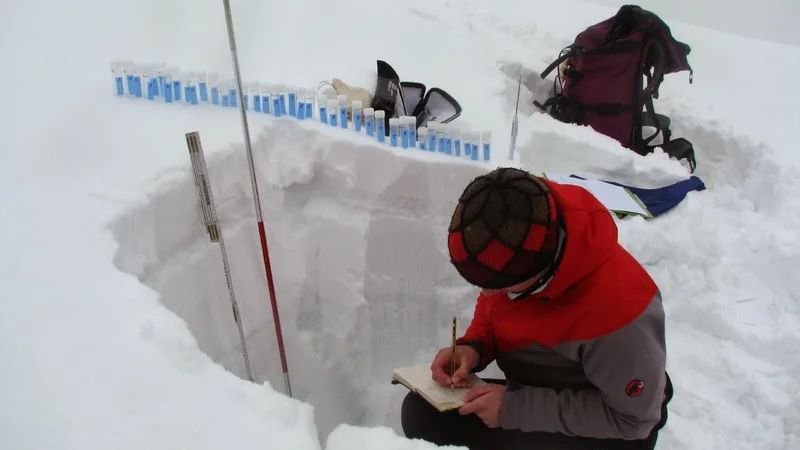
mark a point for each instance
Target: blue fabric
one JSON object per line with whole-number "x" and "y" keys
{"x": 660, "y": 200}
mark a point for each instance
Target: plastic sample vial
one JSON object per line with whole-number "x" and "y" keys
{"x": 341, "y": 100}
{"x": 369, "y": 121}
{"x": 433, "y": 129}
{"x": 300, "y": 96}
{"x": 168, "y": 97}
{"x": 280, "y": 92}
{"x": 265, "y": 99}
{"x": 136, "y": 81}
{"x": 412, "y": 131}
{"x": 447, "y": 130}
{"x": 487, "y": 145}
{"x": 380, "y": 125}
{"x": 291, "y": 95}
{"x": 404, "y": 132}
{"x": 456, "y": 142}
{"x": 152, "y": 83}
{"x": 194, "y": 98}
{"x": 474, "y": 151}
{"x": 323, "y": 110}
{"x": 176, "y": 85}
{"x": 333, "y": 112}
{"x": 202, "y": 86}
{"x": 467, "y": 143}
{"x": 309, "y": 114}
{"x": 441, "y": 137}
{"x": 394, "y": 130}
{"x": 213, "y": 87}
{"x": 187, "y": 88}
{"x": 128, "y": 76}
{"x": 256, "y": 94}
{"x": 423, "y": 137}
{"x": 233, "y": 93}
{"x": 133, "y": 81}
{"x": 358, "y": 111}
{"x": 116, "y": 73}
{"x": 275, "y": 95}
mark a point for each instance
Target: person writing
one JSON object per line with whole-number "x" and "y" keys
{"x": 573, "y": 321}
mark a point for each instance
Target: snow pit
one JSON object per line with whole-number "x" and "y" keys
{"x": 357, "y": 239}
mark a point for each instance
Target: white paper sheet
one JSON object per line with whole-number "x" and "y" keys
{"x": 613, "y": 197}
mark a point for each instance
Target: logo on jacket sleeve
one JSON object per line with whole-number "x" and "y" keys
{"x": 634, "y": 388}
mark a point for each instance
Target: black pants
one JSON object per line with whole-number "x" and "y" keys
{"x": 420, "y": 420}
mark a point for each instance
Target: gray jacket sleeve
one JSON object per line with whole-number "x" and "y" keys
{"x": 628, "y": 370}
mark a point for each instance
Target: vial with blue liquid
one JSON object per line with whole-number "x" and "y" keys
{"x": 433, "y": 131}
{"x": 487, "y": 145}
{"x": 136, "y": 82}
{"x": 168, "y": 88}
{"x": 275, "y": 95}
{"x": 456, "y": 142}
{"x": 300, "y": 95}
{"x": 117, "y": 73}
{"x": 281, "y": 91}
{"x": 411, "y": 129}
{"x": 341, "y": 99}
{"x": 192, "y": 97}
{"x": 255, "y": 92}
{"x": 213, "y": 88}
{"x": 291, "y": 96}
{"x": 323, "y": 109}
{"x": 202, "y": 87}
{"x": 309, "y": 114}
{"x": 394, "y": 131}
{"x": 177, "y": 86}
{"x": 380, "y": 125}
{"x": 441, "y": 138}
{"x": 333, "y": 112}
{"x": 369, "y": 121}
{"x": 233, "y": 94}
{"x": 357, "y": 107}
{"x": 423, "y": 137}
{"x": 404, "y": 132}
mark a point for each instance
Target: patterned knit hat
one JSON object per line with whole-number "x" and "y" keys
{"x": 505, "y": 229}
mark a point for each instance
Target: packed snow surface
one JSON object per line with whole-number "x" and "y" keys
{"x": 117, "y": 330}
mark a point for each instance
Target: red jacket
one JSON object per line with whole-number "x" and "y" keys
{"x": 585, "y": 355}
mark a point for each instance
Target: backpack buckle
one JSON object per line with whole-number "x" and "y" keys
{"x": 679, "y": 149}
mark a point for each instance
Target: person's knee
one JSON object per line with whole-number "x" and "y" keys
{"x": 415, "y": 416}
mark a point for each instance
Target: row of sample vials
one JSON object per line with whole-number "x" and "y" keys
{"x": 403, "y": 131}
{"x": 170, "y": 85}
{"x": 158, "y": 82}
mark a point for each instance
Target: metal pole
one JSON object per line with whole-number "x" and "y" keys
{"x": 256, "y": 198}
{"x": 515, "y": 122}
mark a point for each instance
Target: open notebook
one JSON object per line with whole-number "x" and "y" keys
{"x": 616, "y": 198}
{"x": 419, "y": 379}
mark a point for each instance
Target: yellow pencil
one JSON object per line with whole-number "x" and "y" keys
{"x": 453, "y": 355}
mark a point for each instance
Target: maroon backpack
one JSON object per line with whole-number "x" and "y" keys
{"x": 610, "y": 76}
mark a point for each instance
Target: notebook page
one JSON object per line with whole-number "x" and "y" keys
{"x": 420, "y": 378}
{"x": 613, "y": 197}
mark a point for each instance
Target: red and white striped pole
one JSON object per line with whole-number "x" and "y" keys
{"x": 256, "y": 198}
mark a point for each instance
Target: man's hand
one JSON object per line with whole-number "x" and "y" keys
{"x": 466, "y": 358}
{"x": 485, "y": 402}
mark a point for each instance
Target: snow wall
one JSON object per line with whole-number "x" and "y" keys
{"x": 357, "y": 239}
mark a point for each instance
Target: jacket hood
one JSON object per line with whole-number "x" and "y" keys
{"x": 590, "y": 237}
